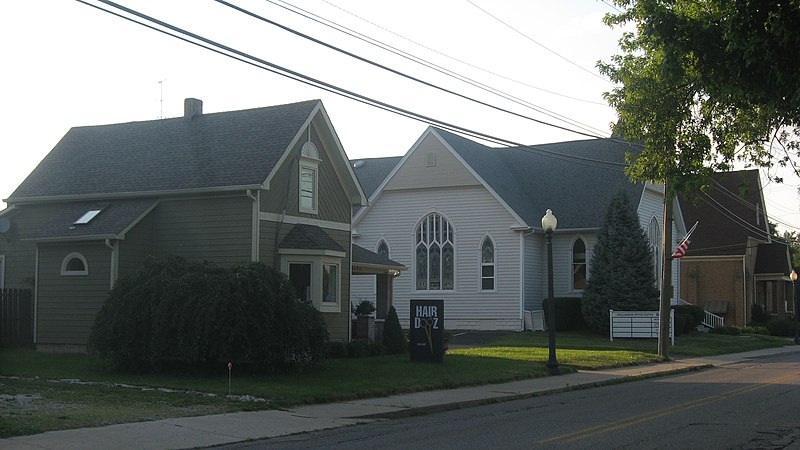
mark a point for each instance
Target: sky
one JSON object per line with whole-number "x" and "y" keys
{"x": 67, "y": 64}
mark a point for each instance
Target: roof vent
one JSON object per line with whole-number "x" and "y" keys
{"x": 192, "y": 108}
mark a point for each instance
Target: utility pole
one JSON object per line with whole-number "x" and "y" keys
{"x": 666, "y": 276}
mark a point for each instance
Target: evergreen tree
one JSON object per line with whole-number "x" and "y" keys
{"x": 622, "y": 275}
{"x": 393, "y": 338}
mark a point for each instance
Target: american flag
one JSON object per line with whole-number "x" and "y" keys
{"x": 683, "y": 247}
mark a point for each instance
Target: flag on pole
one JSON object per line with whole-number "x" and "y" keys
{"x": 683, "y": 247}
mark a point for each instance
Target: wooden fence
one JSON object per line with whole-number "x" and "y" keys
{"x": 16, "y": 318}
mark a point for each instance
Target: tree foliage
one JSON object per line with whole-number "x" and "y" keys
{"x": 622, "y": 275}
{"x": 707, "y": 83}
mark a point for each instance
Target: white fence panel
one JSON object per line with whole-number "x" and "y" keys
{"x": 638, "y": 324}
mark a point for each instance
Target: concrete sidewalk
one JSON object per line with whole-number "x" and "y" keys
{"x": 204, "y": 431}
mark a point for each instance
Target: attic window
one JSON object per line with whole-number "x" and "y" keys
{"x": 86, "y": 218}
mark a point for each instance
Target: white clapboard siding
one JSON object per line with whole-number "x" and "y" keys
{"x": 474, "y": 213}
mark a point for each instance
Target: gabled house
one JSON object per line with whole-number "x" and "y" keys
{"x": 465, "y": 219}
{"x": 732, "y": 262}
{"x": 268, "y": 184}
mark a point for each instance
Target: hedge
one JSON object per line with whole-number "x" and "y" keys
{"x": 568, "y": 314}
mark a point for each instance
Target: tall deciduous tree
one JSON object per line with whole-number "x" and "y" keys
{"x": 622, "y": 276}
{"x": 704, "y": 83}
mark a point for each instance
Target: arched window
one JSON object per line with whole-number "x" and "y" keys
{"x": 383, "y": 249}
{"x": 434, "y": 254}
{"x": 578, "y": 265}
{"x": 74, "y": 264}
{"x": 487, "y": 265}
{"x": 654, "y": 236}
{"x": 308, "y": 200}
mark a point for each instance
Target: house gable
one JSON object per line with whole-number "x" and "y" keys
{"x": 430, "y": 164}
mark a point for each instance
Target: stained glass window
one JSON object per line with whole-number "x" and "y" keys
{"x": 435, "y": 254}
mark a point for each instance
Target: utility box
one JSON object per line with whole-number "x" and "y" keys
{"x": 427, "y": 331}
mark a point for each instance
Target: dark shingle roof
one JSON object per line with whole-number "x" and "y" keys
{"x": 728, "y": 218}
{"x": 366, "y": 257}
{"x": 309, "y": 237}
{"x": 572, "y": 178}
{"x": 236, "y": 148}
{"x": 372, "y": 171}
{"x": 114, "y": 218}
{"x": 772, "y": 259}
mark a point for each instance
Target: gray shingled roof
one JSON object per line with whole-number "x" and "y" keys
{"x": 570, "y": 178}
{"x": 236, "y": 148}
{"x": 114, "y": 218}
{"x": 734, "y": 194}
{"x": 372, "y": 171}
{"x": 309, "y": 237}
{"x": 365, "y": 257}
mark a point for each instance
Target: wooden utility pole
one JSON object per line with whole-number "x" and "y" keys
{"x": 666, "y": 277}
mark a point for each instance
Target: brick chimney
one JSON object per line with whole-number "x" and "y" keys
{"x": 192, "y": 108}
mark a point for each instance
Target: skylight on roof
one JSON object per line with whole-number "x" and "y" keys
{"x": 86, "y": 218}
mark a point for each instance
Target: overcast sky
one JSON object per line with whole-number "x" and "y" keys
{"x": 68, "y": 64}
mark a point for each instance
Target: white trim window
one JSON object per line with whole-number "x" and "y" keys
{"x": 308, "y": 186}
{"x": 578, "y": 265}
{"x": 434, "y": 254}
{"x": 74, "y": 264}
{"x": 654, "y": 236}
{"x": 316, "y": 280}
{"x": 330, "y": 284}
{"x": 488, "y": 266}
{"x": 2, "y": 271}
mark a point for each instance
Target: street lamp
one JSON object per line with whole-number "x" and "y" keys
{"x": 549, "y": 223}
{"x": 793, "y": 277}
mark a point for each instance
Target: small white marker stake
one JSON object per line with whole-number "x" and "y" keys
{"x": 230, "y": 366}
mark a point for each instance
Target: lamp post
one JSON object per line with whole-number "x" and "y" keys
{"x": 793, "y": 277}
{"x": 549, "y": 223}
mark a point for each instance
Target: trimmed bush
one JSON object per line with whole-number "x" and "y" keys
{"x": 177, "y": 314}
{"x": 568, "y": 314}
{"x": 756, "y": 330}
{"x": 688, "y": 318}
{"x": 393, "y": 337}
{"x": 783, "y": 328}
{"x": 732, "y": 330}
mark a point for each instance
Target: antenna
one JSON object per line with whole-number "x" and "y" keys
{"x": 161, "y": 98}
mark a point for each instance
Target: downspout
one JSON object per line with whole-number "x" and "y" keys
{"x": 526, "y": 232}
{"x": 254, "y": 236}
{"x": 744, "y": 291}
{"x": 114, "y": 261}
{"x": 36, "y": 299}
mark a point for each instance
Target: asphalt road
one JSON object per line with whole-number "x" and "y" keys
{"x": 755, "y": 404}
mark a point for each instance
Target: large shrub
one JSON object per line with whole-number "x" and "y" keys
{"x": 173, "y": 313}
{"x": 568, "y": 314}
{"x": 687, "y": 317}
{"x": 622, "y": 276}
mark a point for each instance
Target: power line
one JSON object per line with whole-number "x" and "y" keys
{"x": 461, "y": 61}
{"x": 418, "y": 60}
{"x": 238, "y": 55}
{"x": 397, "y": 72}
{"x": 538, "y": 43}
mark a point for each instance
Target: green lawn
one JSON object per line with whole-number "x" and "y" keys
{"x": 54, "y": 402}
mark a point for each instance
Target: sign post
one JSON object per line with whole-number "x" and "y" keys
{"x": 427, "y": 330}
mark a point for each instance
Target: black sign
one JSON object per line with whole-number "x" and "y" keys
{"x": 427, "y": 330}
